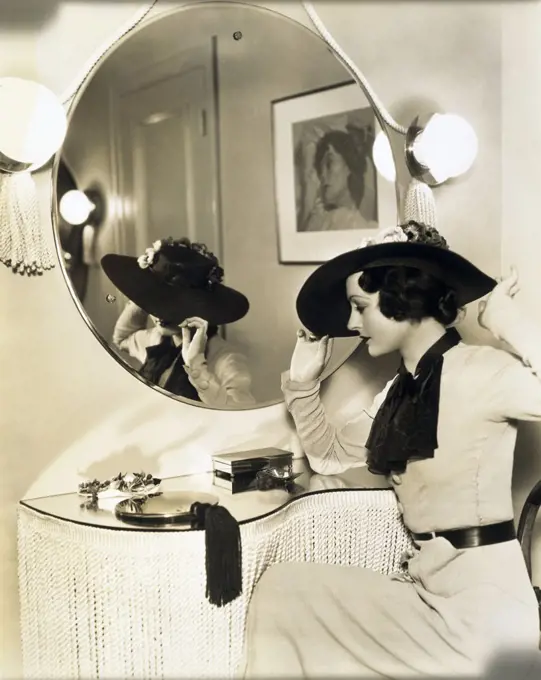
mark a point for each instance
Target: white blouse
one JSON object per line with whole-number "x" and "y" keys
{"x": 468, "y": 482}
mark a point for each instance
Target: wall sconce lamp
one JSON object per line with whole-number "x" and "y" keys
{"x": 440, "y": 147}
{"x": 382, "y": 155}
{"x": 82, "y": 207}
{"x": 33, "y": 125}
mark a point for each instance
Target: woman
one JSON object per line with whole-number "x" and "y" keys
{"x": 444, "y": 432}
{"x": 342, "y": 201}
{"x": 178, "y": 284}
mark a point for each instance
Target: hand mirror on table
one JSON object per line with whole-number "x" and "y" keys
{"x": 166, "y": 508}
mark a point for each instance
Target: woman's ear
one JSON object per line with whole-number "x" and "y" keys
{"x": 461, "y": 315}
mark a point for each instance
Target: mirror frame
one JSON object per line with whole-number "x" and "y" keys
{"x": 352, "y": 343}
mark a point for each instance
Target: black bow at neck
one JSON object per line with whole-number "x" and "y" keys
{"x": 159, "y": 358}
{"x": 406, "y": 424}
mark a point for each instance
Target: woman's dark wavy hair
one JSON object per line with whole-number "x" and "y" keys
{"x": 409, "y": 294}
{"x": 344, "y": 144}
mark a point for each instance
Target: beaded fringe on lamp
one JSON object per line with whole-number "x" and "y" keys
{"x": 22, "y": 245}
{"x": 419, "y": 204}
{"x": 33, "y": 126}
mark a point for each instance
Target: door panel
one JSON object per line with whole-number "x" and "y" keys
{"x": 167, "y": 155}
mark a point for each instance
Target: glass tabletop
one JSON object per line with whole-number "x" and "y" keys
{"x": 245, "y": 506}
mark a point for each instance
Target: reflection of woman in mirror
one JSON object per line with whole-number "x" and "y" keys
{"x": 443, "y": 431}
{"x": 334, "y": 164}
{"x": 178, "y": 285}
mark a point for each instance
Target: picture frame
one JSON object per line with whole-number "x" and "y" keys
{"x": 329, "y": 194}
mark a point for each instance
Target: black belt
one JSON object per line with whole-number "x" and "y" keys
{"x": 473, "y": 537}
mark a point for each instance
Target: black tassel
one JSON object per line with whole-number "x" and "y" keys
{"x": 223, "y": 552}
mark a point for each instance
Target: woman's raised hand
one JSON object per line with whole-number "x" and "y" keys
{"x": 193, "y": 345}
{"x": 496, "y": 313}
{"x": 310, "y": 357}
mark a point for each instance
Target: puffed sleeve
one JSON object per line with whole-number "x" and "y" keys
{"x": 330, "y": 450}
{"x": 131, "y": 334}
{"x": 514, "y": 390}
{"x": 222, "y": 378}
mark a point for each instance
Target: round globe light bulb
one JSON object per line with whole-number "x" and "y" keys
{"x": 75, "y": 207}
{"x": 33, "y": 122}
{"x": 383, "y": 157}
{"x": 447, "y": 146}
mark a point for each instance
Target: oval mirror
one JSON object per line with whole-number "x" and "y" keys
{"x": 230, "y": 126}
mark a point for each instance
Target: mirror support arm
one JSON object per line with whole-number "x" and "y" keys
{"x": 382, "y": 114}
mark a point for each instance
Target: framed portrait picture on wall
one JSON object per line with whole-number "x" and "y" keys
{"x": 329, "y": 195}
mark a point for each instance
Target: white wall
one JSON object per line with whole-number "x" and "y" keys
{"x": 68, "y": 407}
{"x": 17, "y": 58}
{"x": 521, "y": 179}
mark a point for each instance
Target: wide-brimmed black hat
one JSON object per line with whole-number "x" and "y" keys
{"x": 177, "y": 279}
{"x": 322, "y": 305}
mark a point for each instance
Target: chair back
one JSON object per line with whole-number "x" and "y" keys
{"x": 525, "y": 531}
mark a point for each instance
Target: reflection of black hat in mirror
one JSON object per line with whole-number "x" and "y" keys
{"x": 176, "y": 279}
{"x": 322, "y": 305}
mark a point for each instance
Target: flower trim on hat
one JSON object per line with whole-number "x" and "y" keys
{"x": 413, "y": 232}
{"x": 389, "y": 235}
{"x": 145, "y": 260}
{"x": 216, "y": 274}
{"x": 149, "y": 257}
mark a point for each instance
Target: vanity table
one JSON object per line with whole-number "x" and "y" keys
{"x": 104, "y": 599}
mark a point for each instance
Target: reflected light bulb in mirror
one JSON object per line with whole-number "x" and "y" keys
{"x": 383, "y": 157}
{"x": 75, "y": 207}
{"x": 447, "y": 146}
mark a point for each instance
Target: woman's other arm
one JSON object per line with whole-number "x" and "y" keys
{"x": 221, "y": 378}
{"x": 131, "y": 334}
{"x": 330, "y": 450}
{"x": 514, "y": 390}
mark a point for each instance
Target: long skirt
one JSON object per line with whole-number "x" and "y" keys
{"x": 453, "y": 613}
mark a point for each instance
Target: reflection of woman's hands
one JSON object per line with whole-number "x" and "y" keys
{"x": 165, "y": 329}
{"x": 193, "y": 346}
{"x": 310, "y": 357}
{"x": 498, "y": 311}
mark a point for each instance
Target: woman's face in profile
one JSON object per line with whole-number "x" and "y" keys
{"x": 381, "y": 334}
{"x": 334, "y": 179}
